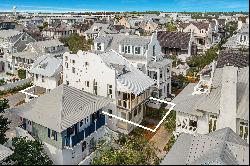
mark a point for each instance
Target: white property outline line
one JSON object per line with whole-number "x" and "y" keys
{"x": 138, "y": 125}
{"x": 23, "y": 91}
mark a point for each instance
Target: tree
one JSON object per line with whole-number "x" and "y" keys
{"x": 170, "y": 121}
{"x": 76, "y": 43}
{"x": 129, "y": 150}
{"x": 3, "y": 121}
{"x": 171, "y": 27}
{"x": 21, "y": 73}
{"x": 27, "y": 152}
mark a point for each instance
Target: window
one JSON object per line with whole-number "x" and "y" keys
{"x": 54, "y": 135}
{"x": 95, "y": 87}
{"x": 98, "y": 46}
{"x": 86, "y": 63}
{"x": 122, "y": 49}
{"x": 192, "y": 123}
{"x": 43, "y": 79}
{"x": 109, "y": 91}
{"x": 135, "y": 112}
{"x": 130, "y": 116}
{"x": 110, "y": 112}
{"x": 84, "y": 145}
{"x": 137, "y": 50}
{"x": 49, "y": 133}
{"x": 66, "y": 58}
{"x": 153, "y": 50}
{"x": 87, "y": 83}
{"x": 36, "y": 76}
{"x": 73, "y": 61}
{"x": 212, "y": 123}
{"x": 67, "y": 82}
{"x": 244, "y": 130}
{"x": 73, "y": 70}
{"x": 66, "y": 65}
{"x": 123, "y": 115}
{"x": 81, "y": 123}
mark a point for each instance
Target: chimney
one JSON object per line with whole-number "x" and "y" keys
{"x": 228, "y": 98}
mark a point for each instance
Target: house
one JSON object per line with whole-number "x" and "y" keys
{"x": 6, "y": 24}
{"x": 34, "y": 50}
{"x": 69, "y": 20}
{"x": 32, "y": 22}
{"x": 201, "y": 31}
{"x": 124, "y": 22}
{"x": 180, "y": 44}
{"x": 240, "y": 39}
{"x": 46, "y": 73}
{"x": 61, "y": 30}
{"x": 11, "y": 41}
{"x": 144, "y": 52}
{"x": 5, "y": 152}
{"x": 115, "y": 78}
{"x": 82, "y": 27}
{"x": 98, "y": 29}
{"x": 68, "y": 121}
{"x": 220, "y": 99}
{"x": 221, "y": 147}
{"x": 148, "y": 26}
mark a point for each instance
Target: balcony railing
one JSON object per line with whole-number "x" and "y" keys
{"x": 72, "y": 141}
{"x": 130, "y": 104}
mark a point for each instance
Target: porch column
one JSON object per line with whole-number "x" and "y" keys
{"x": 95, "y": 124}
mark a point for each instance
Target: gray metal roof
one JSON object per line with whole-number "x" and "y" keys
{"x": 243, "y": 94}
{"x": 9, "y": 33}
{"x": 188, "y": 103}
{"x": 223, "y": 146}
{"x": 4, "y": 152}
{"x": 47, "y": 43}
{"x": 47, "y": 66}
{"x": 133, "y": 79}
{"x": 136, "y": 40}
{"x": 61, "y": 108}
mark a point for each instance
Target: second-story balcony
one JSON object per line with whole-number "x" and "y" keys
{"x": 130, "y": 101}
{"x": 80, "y": 136}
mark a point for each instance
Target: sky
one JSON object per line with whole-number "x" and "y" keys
{"x": 124, "y": 5}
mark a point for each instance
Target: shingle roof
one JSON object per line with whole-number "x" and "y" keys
{"x": 4, "y": 152}
{"x": 221, "y": 147}
{"x": 200, "y": 25}
{"x": 47, "y": 66}
{"x": 233, "y": 58}
{"x": 173, "y": 39}
{"x": 135, "y": 80}
{"x": 61, "y": 107}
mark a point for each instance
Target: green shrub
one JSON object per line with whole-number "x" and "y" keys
{"x": 21, "y": 73}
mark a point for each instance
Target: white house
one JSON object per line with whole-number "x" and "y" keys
{"x": 110, "y": 75}
{"x": 201, "y": 31}
{"x": 98, "y": 29}
{"x": 34, "y": 50}
{"x": 11, "y": 41}
{"x": 144, "y": 53}
{"x": 68, "y": 121}
{"x": 220, "y": 99}
{"x": 240, "y": 39}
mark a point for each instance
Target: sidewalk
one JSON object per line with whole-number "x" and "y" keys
{"x": 159, "y": 140}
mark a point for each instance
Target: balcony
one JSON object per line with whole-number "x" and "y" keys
{"x": 132, "y": 101}
{"x": 72, "y": 141}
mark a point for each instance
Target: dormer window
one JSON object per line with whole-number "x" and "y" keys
{"x": 98, "y": 46}
{"x": 153, "y": 50}
{"x": 137, "y": 50}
